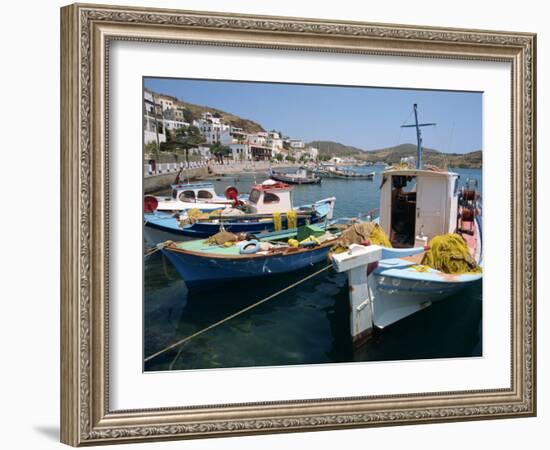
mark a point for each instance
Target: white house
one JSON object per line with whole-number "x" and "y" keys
{"x": 240, "y": 152}
{"x": 296, "y": 143}
{"x": 214, "y": 130}
{"x": 274, "y": 141}
{"x": 250, "y": 151}
{"x": 153, "y": 120}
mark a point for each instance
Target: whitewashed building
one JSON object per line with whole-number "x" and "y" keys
{"x": 275, "y": 141}
{"x": 213, "y": 129}
{"x": 153, "y": 120}
{"x": 175, "y": 124}
{"x": 250, "y": 151}
{"x": 296, "y": 143}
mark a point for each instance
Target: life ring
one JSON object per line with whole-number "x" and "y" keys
{"x": 249, "y": 247}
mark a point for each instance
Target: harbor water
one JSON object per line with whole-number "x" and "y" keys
{"x": 308, "y": 324}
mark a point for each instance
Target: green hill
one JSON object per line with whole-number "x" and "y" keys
{"x": 392, "y": 155}
{"x": 331, "y": 148}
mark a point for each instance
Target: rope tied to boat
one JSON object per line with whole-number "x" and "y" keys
{"x": 232, "y": 316}
{"x": 157, "y": 248}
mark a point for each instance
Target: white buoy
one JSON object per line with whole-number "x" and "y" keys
{"x": 355, "y": 262}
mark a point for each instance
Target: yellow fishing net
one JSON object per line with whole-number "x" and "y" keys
{"x": 222, "y": 237}
{"x": 449, "y": 254}
{"x": 277, "y": 223}
{"x": 360, "y": 232}
{"x": 292, "y": 219}
{"x": 193, "y": 213}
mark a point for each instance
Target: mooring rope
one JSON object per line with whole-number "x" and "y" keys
{"x": 232, "y": 316}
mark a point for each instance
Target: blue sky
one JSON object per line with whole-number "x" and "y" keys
{"x": 368, "y": 118}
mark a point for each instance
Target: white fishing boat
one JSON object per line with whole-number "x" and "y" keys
{"x": 416, "y": 206}
{"x": 187, "y": 196}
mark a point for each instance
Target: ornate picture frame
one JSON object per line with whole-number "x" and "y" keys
{"x": 86, "y": 34}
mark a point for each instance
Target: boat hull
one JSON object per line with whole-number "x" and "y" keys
{"x": 396, "y": 298}
{"x": 398, "y": 290}
{"x": 295, "y": 180}
{"x": 201, "y": 271}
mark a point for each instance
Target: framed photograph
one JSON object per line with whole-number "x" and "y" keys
{"x": 276, "y": 224}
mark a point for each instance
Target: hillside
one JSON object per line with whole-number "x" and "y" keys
{"x": 246, "y": 124}
{"x": 192, "y": 112}
{"x": 331, "y": 148}
{"x": 392, "y": 155}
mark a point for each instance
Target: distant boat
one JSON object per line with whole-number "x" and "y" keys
{"x": 202, "y": 265}
{"x": 349, "y": 174}
{"x": 269, "y": 207}
{"x": 301, "y": 176}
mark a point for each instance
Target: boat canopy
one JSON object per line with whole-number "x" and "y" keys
{"x": 418, "y": 204}
{"x": 194, "y": 191}
{"x": 270, "y": 197}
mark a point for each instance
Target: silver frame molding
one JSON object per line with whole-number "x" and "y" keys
{"x": 86, "y": 32}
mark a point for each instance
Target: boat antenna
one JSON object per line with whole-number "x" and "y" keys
{"x": 418, "y": 135}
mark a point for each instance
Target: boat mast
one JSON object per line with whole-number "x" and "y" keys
{"x": 418, "y": 135}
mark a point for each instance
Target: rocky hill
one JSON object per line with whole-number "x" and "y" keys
{"x": 393, "y": 155}
{"x": 331, "y": 148}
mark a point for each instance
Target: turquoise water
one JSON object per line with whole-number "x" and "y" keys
{"x": 306, "y": 325}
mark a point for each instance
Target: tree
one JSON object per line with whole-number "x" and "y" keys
{"x": 186, "y": 138}
{"x": 291, "y": 158}
{"x": 279, "y": 156}
{"x": 188, "y": 116}
{"x": 151, "y": 148}
{"x": 219, "y": 151}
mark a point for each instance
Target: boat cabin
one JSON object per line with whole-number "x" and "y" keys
{"x": 416, "y": 205}
{"x": 195, "y": 192}
{"x": 270, "y": 197}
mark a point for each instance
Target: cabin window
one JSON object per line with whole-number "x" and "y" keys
{"x": 205, "y": 194}
{"x": 254, "y": 196}
{"x": 187, "y": 196}
{"x": 174, "y": 193}
{"x": 456, "y": 186}
{"x": 271, "y": 198}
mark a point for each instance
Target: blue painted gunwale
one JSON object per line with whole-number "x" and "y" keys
{"x": 168, "y": 223}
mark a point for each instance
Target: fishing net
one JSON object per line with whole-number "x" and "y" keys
{"x": 277, "y": 223}
{"x": 292, "y": 219}
{"x": 449, "y": 254}
{"x": 361, "y": 232}
{"x": 222, "y": 237}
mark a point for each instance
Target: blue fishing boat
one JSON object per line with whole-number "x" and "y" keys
{"x": 269, "y": 208}
{"x": 202, "y": 265}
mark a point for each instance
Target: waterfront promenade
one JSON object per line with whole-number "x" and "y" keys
{"x": 160, "y": 176}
